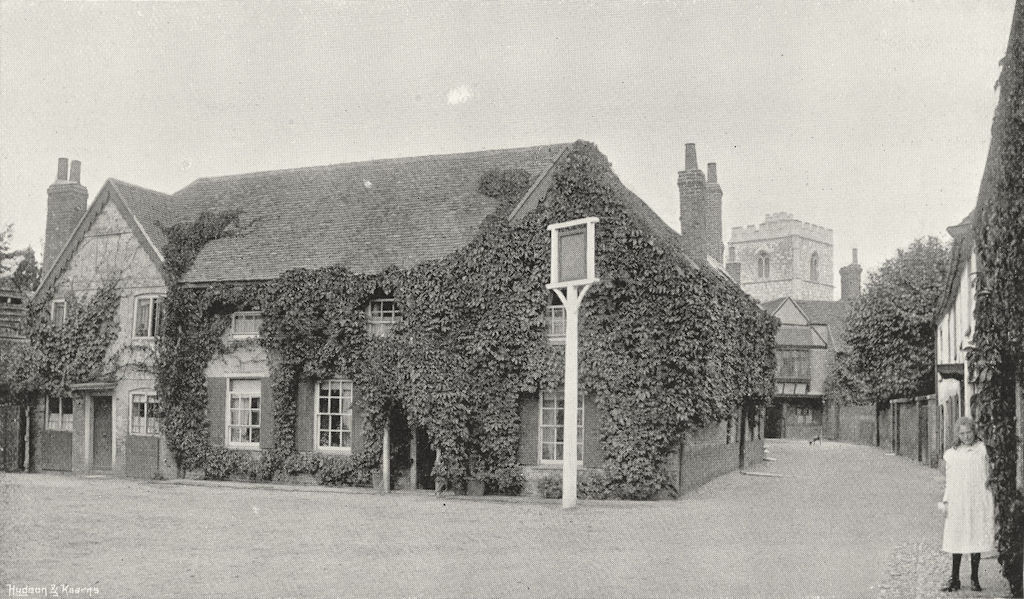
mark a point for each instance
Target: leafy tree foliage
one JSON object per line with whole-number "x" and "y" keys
{"x": 26, "y": 271}
{"x": 6, "y": 255}
{"x": 26, "y": 275}
{"x": 890, "y": 328}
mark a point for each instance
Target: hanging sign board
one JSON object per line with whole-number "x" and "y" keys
{"x": 572, "y": 253}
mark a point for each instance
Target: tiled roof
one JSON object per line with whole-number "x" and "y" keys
{"x": 832, "y": 314}
{"x": 150, "y": 208}
{"x": 363, "y": 215}
{"x": 771, "y": 306}
{"x": 797, "y": 336}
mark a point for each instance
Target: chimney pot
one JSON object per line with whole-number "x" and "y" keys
{"x": 691, "y": 157}
{"x": 62, "y": 169}
{"x": 76, "y": 171}
{"x": 854, "y": 255}
{"x": 712, "y": 172}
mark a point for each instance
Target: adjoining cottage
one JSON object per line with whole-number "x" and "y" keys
{"x": 376, "y": 229}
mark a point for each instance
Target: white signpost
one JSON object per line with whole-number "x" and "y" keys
{"x": 572, "y": 274}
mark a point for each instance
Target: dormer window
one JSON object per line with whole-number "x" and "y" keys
{"x": 246, "y": 325}
{"x": 382, "y": 317}
{"x": 148, "y": 316}
{"x": 58, "y": 312}
{"x": 554, "y": 320}
{"x": 764, "y": 269}
{"x": 814, "y": 266}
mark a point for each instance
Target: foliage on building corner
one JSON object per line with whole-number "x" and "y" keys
{"x": 997, "y": 359}
{"x": 665, "y": 345}
{"x": 59, "y": 355}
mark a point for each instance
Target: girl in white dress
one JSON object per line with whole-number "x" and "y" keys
{"x": 967, "y": 503}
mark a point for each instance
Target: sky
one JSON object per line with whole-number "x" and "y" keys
{"x": 871, "y": 118}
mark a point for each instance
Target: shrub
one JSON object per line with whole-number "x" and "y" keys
{"x": 220, "y": 463}
{"x": 335, "y": 472}
{"x": 507, "y": 481}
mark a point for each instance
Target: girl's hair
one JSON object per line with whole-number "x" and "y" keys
{"x": 964, "y": 421}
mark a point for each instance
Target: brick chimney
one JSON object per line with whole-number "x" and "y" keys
{"x": 713, "y": 220}
{"x": 693, "y": 200}
{"x": 732, "y": 267}
{"x": 66, "y": 200}
{"x": 849, "y": 277}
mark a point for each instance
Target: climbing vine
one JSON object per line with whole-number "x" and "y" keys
{"x": 998, "y": 357}
{"x": 665, "y": 345}
{"x": 76, "y": 350}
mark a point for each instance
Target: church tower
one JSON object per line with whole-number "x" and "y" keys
{"x": 782, "y": 257}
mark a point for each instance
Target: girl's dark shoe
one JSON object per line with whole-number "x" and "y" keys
{"x": 952, "y": 585}
{"x": 975, "y": 585}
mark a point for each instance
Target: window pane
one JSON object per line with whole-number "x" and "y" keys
{"x": 142, "y": 317}
{"x": 325, "y": 423}
{"x": 254, "y": 435}
{"x": 324, "y": 439}
{"x": 335, "y": 439}
{"x": 158, "y": 315}
{"x": 236, "y": 435}
{"x": 323, "y": 405}
{"x": 254, "y": 417}
{"x": 59, "y": 312}
{"x": 346, "y": 439}
{"x": 67, "y": 405}
{"x": 335, "y": 405}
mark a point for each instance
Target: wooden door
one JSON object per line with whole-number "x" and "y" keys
{"x": 102, "y": 433}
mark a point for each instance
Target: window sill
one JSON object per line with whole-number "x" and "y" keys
{"x": 245, "y": 447}
{"x": 334, "y": 450}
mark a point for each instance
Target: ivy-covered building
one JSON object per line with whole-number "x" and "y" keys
{"x": 309, "y": 322}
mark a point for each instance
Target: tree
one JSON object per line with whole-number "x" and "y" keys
{"x": 26, "y": 275}
{"x": 6, "y": 255}
{"x": 890, "y": 328}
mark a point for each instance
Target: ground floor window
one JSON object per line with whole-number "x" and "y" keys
{"x": 145, "y": 414}
{"x": 334, "y": 415}
{"x": 244, "y": 412}
{"x": 805, "y": 415}
{"x": 552, "y": 426}
{"x": 60, "y": 414}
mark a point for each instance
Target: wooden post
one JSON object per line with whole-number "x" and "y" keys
{"x": 412, "y": 459}
{"x": 570, "y": 398}
{"x": 385, "y": 462}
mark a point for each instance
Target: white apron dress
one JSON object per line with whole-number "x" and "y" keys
{"x": 970, "y": 519}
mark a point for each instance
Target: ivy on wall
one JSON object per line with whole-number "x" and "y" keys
{"x": 665, "y": 346}
{"x": 998, "y": 356}
{"x": 76, "y": 351}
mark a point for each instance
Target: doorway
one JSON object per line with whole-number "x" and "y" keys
{"x": 102, "y": 433}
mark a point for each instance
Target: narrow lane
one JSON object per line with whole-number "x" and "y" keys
{"x": 832, "y": 520}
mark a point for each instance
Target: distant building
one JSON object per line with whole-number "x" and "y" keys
{"x": 786, "y": 264}
{"x": 782, "y": 257}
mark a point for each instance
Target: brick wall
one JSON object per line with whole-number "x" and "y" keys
{"x": 851, "y": 423}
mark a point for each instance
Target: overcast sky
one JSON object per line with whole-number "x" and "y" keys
{"x": 870, "y": 118}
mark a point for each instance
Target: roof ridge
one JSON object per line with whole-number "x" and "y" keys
{"x": 117, "y": 182}
{"x": 406, "y": 159}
